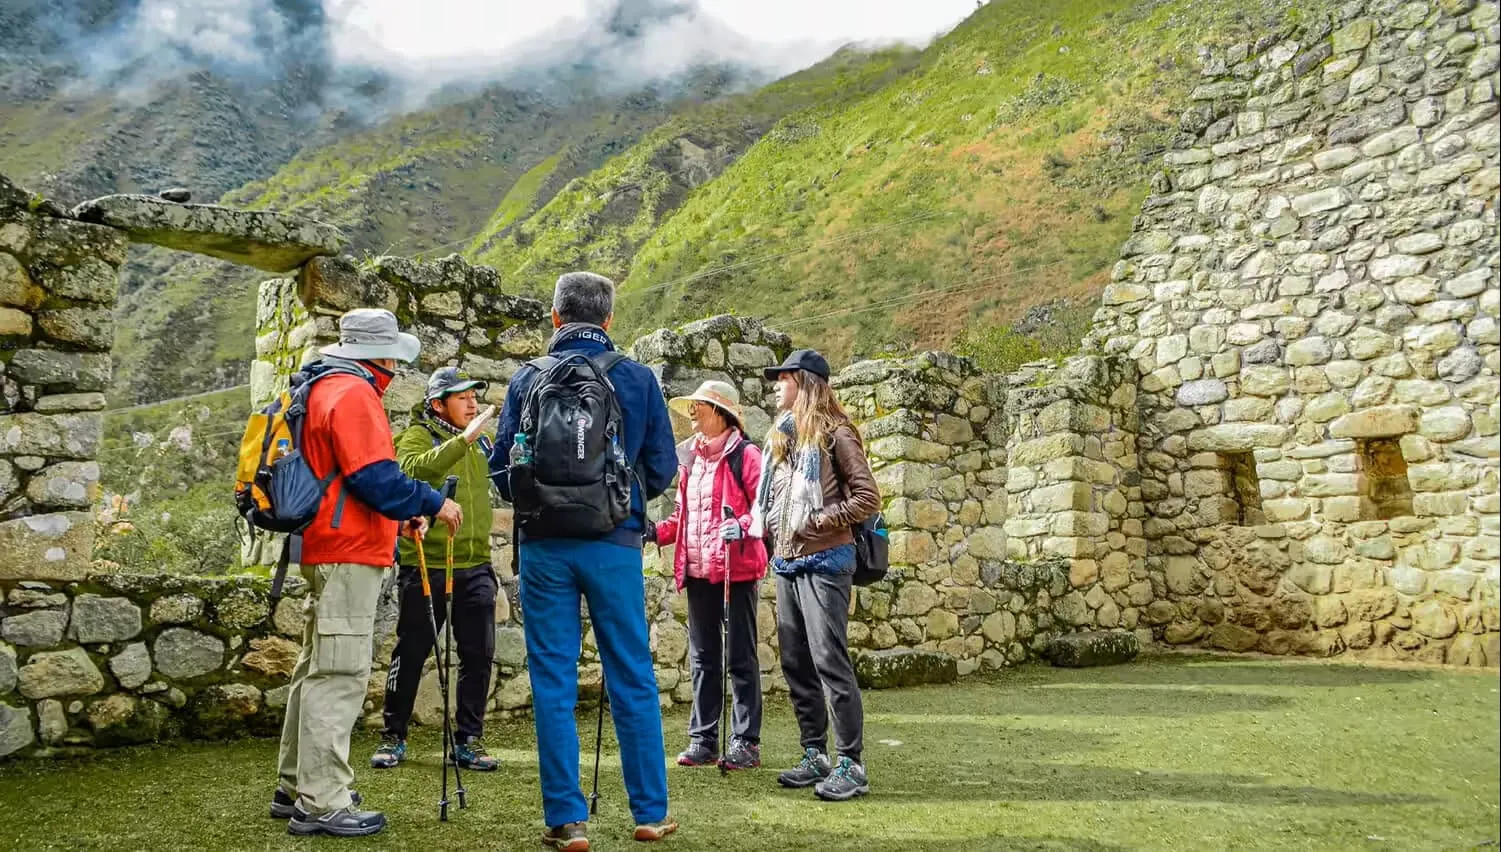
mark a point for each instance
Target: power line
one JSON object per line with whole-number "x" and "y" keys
{"x": 174, "y": 399}
{"x": 754, "y": 261}
{"x": 963, "y": 287}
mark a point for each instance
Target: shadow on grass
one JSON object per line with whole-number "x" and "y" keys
{"x": 1090, "y": 698}
{"x": 1209, "y": 670}
{"x": 1029, "y": 781}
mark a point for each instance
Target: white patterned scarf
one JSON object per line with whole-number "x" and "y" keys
{"x": 805, "y": 494}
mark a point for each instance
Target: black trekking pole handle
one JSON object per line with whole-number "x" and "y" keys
{"x": 450, "y": 487}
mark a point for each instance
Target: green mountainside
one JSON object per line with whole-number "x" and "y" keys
{"x": 1002, "y": 173}
{"x": 877, "y": 201}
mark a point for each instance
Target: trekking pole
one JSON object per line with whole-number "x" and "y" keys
{"x": 599, "y": 736}
{"x": 724, "y": 669}
{"x": 432, "y": 621}
{"x": 450, "y": 487}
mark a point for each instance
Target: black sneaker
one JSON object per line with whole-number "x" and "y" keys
{"x": 846, "y": 782}
{"x": 391, "y": 752}
{"x": 284, "y": 806}
{"x": 814, "y": 768}
{"x": 698, "y": 754}
{"x": 471, "y": 754}
{"x": 743, "y": 754}
{"x": 344, "y": 822}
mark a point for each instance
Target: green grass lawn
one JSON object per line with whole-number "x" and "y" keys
{"x": 1167, "y": 753}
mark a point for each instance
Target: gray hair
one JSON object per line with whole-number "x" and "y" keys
{"x": 584, "y": 297}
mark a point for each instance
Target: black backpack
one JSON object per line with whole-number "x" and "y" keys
{"x": 872, "y": 550}
{"x": 872, "y": 547}
{"x": 572, "y": 480}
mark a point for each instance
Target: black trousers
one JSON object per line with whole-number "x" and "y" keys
{"x": 813, "y": 630}
{"x": 474, "y": 635}
{"x": 705, "y": 649}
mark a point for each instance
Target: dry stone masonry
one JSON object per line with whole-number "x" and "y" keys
{"x": 1310, "y": 299}
{"x": 1283, "y": 434}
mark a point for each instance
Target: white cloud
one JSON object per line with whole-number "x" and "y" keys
{"x": 428, "y": 33}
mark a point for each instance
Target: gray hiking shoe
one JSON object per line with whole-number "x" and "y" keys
{"x": 698, "y": 754}
{"x": 846, "y": 782}
{"x": 344, "y": 822}
{"x": 814, "y": 767}
{"x": 743, "y": 754}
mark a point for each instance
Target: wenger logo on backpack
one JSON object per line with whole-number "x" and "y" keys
{"x": 569, "y": 475}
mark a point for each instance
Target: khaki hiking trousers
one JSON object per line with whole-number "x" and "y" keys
{"x": 329, "y": 684}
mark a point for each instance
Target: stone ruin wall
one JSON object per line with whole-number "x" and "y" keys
{"x": 57, "y": 289}
{"x": 1310, "y": 296}
{"x": 1282, "y": 436}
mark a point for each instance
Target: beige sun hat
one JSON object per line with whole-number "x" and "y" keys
{"x": 721, "y": 395}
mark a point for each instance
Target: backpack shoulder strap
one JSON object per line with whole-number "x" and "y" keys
{"x": 736, "y": 461}
{"x": 607, "y": 359}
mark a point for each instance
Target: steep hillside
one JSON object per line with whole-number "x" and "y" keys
{"x": 418, "y": 183}
{"x": 600, "y": 220}
{"x": 1003, "y": 173}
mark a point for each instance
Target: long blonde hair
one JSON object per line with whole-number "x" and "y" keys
{"x": 816, "y": 414}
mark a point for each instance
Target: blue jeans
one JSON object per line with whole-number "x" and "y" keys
{"x": 554, "y": 574}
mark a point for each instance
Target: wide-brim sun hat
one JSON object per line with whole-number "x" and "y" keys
{"x": 721, "y": 395}
{"x": 371, "y": 334}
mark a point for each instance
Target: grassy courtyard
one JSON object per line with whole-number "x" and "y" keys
{"x": 1168, "y": 753}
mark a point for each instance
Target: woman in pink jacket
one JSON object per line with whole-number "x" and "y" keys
{"x": 719, "y": 470}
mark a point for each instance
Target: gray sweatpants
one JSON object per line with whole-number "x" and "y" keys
{"x": 705, "y": 605}
{"x": 812, "y": 622}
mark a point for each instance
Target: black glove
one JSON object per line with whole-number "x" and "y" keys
{"x": 649, "y": 535}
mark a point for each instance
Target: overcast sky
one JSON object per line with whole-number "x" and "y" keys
{"x": 439, "y": 30}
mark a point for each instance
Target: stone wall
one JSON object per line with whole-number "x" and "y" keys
{"x": 57, "y": 288}
{"x": 1310, "y": 297}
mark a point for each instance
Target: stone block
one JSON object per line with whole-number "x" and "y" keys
{"x": 900, "y": 667}
{"x": 59, "y": 673}
{"x": 183, "y": 654}
{"x": 46, "y": 547}
{"x": 58, "y": 436}
{"x": 15, "y": 729}
{"x": 132, "y": 666}
{"x": 1237, "y": 437}
{"x": 1379, "y": 422}
{"x": 1093, "y": 648}
{"x": 99, "y": 620}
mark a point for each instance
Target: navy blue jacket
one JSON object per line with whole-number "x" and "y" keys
{"x": 649, "y": 446}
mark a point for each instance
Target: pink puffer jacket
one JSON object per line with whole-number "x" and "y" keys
{"x": 688, "y": 527}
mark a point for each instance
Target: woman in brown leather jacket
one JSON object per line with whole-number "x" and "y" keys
{"x": 815, "y": 485}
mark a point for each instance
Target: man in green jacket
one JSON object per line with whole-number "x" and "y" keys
{"x": 446, "y": 440}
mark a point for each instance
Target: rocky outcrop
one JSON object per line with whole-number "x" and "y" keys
{"x": 269, "y": 241}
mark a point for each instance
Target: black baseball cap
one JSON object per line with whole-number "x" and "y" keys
{"x": 802, "y": 359}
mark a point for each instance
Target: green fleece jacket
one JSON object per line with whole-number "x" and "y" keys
{"x": 431, "y": 454}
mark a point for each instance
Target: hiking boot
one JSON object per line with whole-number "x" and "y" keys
{"x": 284, "y": 806}
{"x": 344, "y": 822}
{"x": 471, "y": 754}
{"x": 698, "y": 754}
{"x": 572, "y": 837}
{"x": 652, "y": 832}
{"x": 846, "y": 782}
{"x": 814, "y": 768}
{"x": 743, "y": 754}
{"x": 391, "y": 752}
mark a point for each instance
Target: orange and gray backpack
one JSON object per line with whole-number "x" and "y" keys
{"x": 275, "y": 487}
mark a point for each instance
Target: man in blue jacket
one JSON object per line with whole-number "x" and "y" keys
{"x": 607, "y": 572}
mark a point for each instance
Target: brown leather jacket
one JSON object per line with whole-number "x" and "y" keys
{"x": 849, "y": 497}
